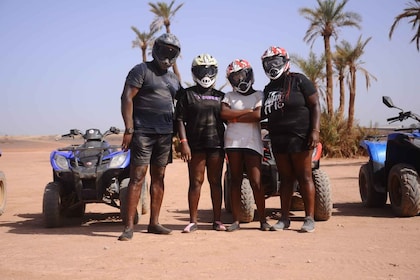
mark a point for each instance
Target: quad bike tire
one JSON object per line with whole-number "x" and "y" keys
{"x": 51, "y": 205}
{"x": 404, "y": 190}
{"x": 323, "y": 200}
{"x": 3, "y": 193}
{"x": 369, "y": 196}
{"x": 246, "y": 214}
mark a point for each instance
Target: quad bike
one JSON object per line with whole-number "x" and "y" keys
{"x": 3, "y": 192}
{"x": 91, "y": 172}
{"x": 393, "y": 167}
{"x": 270, "y": 181}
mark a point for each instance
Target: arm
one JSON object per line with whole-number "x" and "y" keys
{"x": 127, "y": 96}
{"x": 315, "y": 115}
{"x": 185, "y": 148}
{"x": 232, "y": 115}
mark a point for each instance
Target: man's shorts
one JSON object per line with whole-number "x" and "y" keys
{"x": 151, "y": 149}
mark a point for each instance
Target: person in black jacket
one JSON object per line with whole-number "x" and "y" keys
{"x": 291, "y": 104}
{"x": 201, "y": 132}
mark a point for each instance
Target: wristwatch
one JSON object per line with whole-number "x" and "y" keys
{"x": 129, "y": 130}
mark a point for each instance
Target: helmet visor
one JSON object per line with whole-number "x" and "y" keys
{"x": 276, "y": 62}
{"x": 202, "y": 71}
{"x": 166, "y": 52}
{"x": 236, "y": 78}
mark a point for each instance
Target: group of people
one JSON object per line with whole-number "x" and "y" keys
{"x": 211, "y": 124}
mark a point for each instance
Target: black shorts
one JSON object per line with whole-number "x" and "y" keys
{"x": 151, "y": 149}
{"x": 286, "y": 144}
{"x": 210, "y": 152}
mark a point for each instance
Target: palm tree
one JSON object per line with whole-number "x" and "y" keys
{"x": 340, "y": 66}
{"x": 325, "y": 21}
{"x": 313, "y": 68}
{"x": 351, "y": 55}
{"x": 163, "y": 15}
{"x": 413, "y": 12}
{"x": 143, "y": 40}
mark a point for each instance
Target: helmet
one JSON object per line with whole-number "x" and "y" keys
{"x": 204, "y": 70}
{"x": 166, "y": 49}
{"x": 275, "y": 62}
{"x": 240, "y": 75}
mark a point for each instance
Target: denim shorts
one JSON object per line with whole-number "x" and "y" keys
{"x": 151, "y": 149}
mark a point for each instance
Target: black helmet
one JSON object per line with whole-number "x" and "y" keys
{"x": 166, "y": 50}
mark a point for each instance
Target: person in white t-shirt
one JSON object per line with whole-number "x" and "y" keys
{"x": 243, "y": 145}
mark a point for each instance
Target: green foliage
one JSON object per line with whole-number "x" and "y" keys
{"x": 340, "y": 142}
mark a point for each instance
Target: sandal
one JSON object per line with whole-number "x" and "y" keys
{"x": 158, "y": 229}
{"x": 219, "y": 226}
{"x": 190, "y": 228}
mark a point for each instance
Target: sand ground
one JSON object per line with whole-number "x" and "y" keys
{"x": 356, "y": 243}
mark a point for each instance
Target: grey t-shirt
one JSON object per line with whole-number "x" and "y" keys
{"x": 153, "y": 106}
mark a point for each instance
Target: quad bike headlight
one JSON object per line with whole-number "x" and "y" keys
{"x": 118, "y": 160}
{"x": 61, "y": 161}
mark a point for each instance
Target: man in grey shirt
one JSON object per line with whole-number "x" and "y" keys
{"x": 147, "y": 107}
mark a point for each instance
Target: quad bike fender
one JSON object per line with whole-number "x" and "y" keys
{"x": 376, "y": 151}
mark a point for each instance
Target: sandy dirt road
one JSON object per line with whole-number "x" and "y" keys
{"x": 356, "y": 243}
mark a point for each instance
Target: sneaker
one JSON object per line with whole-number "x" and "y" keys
{"x": 126, "y": 235}
{"x": 308, "y": 224}
{"x": 264, "y": 226}
{"x": 281, "y": 225}
{"x": 233, "y": 227}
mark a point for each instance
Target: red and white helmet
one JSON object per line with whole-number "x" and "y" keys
{"x": 275, "y": 61}
{"x": 240, "y": 75}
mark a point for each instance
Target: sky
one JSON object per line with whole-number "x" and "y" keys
{"x": 63, "y": 63}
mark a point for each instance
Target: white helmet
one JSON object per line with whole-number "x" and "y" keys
{"x": 240, "y": 75}
{"x": 204, "y": 70}
{"x": 275, "y": 62}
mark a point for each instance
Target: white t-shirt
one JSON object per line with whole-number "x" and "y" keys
{"x": 239, "y": 134}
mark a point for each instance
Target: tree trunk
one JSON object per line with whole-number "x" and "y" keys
{"x": 329, "y": 72}
{"x": 342, "y": 95}
{"x": 352, "y": 98}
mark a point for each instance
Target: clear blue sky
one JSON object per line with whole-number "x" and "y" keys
{"x": 63, "y": 63}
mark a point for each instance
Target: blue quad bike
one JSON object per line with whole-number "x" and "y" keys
{"x": 270, "y": 181}
{"x": 3, "y": 191}
{"x": 393, "y": 167}
{"x": 91, "y": 172}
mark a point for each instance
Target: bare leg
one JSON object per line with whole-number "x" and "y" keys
{"x": 303, "y": 170}
{"x": 137, "y": 175}
{"x": 236, "y": 165}
{"x": 253, "y": 169}
{"x": 196, "y": 168}
{"x": 157, "y": 174}
{"x": 214, "y": 176}
{"x": 287, "y": 179}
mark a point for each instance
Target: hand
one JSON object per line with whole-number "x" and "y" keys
{"x": 185, "y": 152}
{"x": 313, "y": 139}
{"x": 126, "y": 141}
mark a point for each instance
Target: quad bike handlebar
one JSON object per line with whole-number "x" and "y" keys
{"x": 402, "y": 116}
